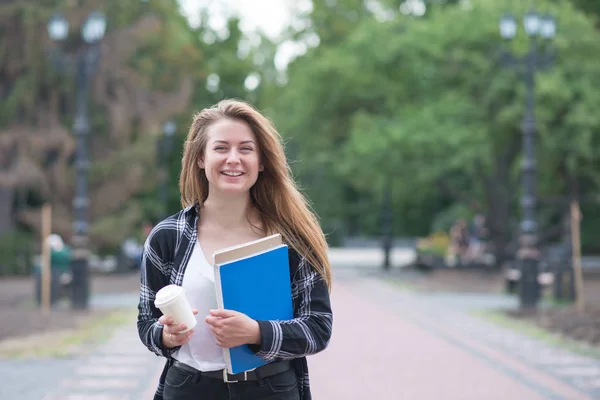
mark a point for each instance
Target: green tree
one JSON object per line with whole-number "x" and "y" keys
{"x": 154, "y": 67}
{"x": 590, "y": 7}
{"x": 427, "y": 103}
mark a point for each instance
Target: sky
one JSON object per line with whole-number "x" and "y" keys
{"x": 272, "y": 16}
{"x": 268, "y": 16}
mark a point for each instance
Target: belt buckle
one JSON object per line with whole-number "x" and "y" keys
{"x": 226, "y": 374}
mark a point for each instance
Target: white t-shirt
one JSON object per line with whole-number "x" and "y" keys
{"x": 202, "y": 351}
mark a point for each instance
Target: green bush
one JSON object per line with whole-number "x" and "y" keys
{"x": 435, "y": 244}
{"x": 16, "y": 251}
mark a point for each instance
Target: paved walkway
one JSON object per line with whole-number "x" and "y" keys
{"x": 120, "y": 369}
{"x": 387, "y": 344}
{"x": 404, "y": 345}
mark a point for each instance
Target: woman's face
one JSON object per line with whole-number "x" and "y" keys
{"x": 231, "y": 158}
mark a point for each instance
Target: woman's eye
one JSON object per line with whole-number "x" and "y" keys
{"x": 246, "y": 148}
{"x": 220, "y": 148}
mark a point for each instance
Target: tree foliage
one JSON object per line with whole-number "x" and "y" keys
{"x": 420, "y": 104}
{"x": 427, "y": 102}
{"x": 154, "y": 67}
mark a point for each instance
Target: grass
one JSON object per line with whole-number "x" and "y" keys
{"x": 549, "y": 299}
{"x": 92, "y": 332}
{"x": 534, "y": 331}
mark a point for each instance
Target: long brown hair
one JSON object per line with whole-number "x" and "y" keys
{"x": 275, "y": 196}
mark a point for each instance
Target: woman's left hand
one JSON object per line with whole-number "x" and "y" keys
{"x": 232, "y": 328}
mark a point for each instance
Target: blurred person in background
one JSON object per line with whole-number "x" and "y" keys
{"x": 60, "y": 268}
{"x": 60, "y": 258}
{"x": 132, "y": 249}
{"x": 60, "y": 254}
{"x": 459, "y": 243}
{"x": 477, "y": 238}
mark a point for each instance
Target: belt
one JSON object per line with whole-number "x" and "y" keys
{"x": 253, "y": 375}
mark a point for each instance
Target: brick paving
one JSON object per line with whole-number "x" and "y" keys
{"x": 378, "y": 355}
{"x": 120, "y": 369}
{"x": 448, "y": 314}
{"x": 30, "y": 379}
{"x": 387, "y": 344}
{"x": 390, "y": 344}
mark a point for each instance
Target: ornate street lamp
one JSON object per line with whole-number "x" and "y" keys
{"x": 535, "y": 26}
{"x": 86, "y": 61}
{"x": 508, "y": 27}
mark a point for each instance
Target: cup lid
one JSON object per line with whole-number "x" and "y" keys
{"x": 167, "y": 294}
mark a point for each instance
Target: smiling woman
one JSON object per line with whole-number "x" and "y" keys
{"x": 235, "y": 187}
{"x": 231, "y": 160}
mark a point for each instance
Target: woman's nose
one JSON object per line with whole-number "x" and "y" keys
{"x": 233, "y": 157}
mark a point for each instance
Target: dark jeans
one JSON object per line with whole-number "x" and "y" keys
{"x": 184, "y": 385}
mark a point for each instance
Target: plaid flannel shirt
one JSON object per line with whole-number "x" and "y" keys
{"x": 166, "y": 253}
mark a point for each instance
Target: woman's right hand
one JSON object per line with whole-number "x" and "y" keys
{"x": 171, "y": 335}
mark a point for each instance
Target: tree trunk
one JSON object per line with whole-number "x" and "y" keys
{"x": 499, "y": 191}
{"x": 498, "y": 217}
{"x": 6, "y": 209}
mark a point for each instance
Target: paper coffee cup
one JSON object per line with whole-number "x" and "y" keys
{"x": 173, "y": 302}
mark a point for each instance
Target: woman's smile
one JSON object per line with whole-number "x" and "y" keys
{"x": 232, "y": 174}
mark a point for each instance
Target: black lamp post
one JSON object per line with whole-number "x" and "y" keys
{"x": 387, "y": 223}
{"x": 85, "y": 61}
{"x": 543, "y": 27}
{"x": 169, "y": 129}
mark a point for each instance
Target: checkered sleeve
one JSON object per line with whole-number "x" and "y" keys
{"x": 154, "y": 275}
{"x": 310, "y": 329}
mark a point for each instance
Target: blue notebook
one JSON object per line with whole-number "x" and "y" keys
{"x": 254, "y": 279}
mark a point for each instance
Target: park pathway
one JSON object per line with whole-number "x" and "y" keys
{"x": 388, "y": 343}
{"x": 398, "y": 344}
{"x": 121, "y": 369}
